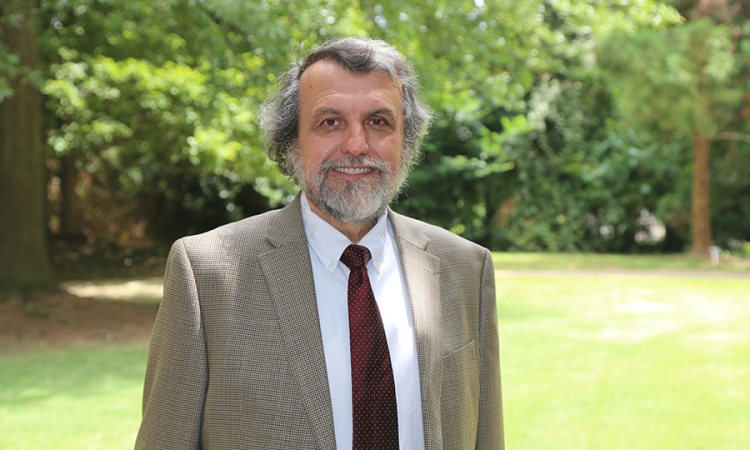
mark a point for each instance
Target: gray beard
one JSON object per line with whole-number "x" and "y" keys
{"x": 351, "y": 201}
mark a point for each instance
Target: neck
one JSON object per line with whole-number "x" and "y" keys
{"x": 354, "y": 231}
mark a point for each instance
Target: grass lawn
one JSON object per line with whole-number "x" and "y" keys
{"x": 71, "y": 398}
{"x": 619, "y": 362}
{"x": 589, "y": 362}
{"x": 588, "y": 261}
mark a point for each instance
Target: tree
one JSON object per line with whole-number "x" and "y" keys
{"x": 680, "y": 80}
{"x": 24, "y": 263}
{"x": 149, "y": 113}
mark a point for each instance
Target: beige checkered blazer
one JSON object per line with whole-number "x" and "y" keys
{"x": 236, "y": 359}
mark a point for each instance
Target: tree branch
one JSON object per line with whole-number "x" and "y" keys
{"x": 732, "y": 136}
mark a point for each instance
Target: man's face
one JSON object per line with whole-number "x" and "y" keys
{"x": 350, "y": 136}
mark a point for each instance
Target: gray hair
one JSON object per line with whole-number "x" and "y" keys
{"x": 279, "y": 116}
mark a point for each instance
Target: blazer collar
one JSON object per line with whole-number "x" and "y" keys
{"x": 287, "y": 225}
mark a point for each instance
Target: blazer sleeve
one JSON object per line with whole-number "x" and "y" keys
{"x": 490, "y": 435}
{"x": 177, "y": 369}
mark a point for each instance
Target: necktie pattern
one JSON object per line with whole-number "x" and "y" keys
{"x": 373, "y": 389}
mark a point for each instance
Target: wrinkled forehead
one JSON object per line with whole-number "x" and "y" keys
{"x": 325, "y": 83}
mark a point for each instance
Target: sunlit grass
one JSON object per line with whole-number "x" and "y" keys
{"x": 588, "y": 362}
{"x": 588, "y": 261}
{"x": 71, "y": 398}
{"x": 625, "y": 362}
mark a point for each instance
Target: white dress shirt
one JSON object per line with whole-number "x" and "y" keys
{"x": 331, "y": 287}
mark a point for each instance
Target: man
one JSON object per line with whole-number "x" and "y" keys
{"x": 269, "y": 337}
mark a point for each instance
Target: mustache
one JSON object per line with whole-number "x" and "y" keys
{"x": 350, "y": 161}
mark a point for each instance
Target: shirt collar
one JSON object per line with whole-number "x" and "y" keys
{"x": 328, "y": 243}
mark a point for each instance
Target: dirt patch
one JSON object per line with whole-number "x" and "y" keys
{"x": 116, "y": 303}
{"x": 63, "y": 319}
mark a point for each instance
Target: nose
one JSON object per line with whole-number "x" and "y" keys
{"x": 356, "y": 141}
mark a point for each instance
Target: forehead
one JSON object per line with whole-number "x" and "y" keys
{"x": 326, "y": 81}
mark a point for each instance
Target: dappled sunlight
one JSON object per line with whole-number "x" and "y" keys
{"x": 698, "y": 315}
{"x": 632, "y": 307}
{"x": 149, "y": 289}
{"x": 639, "y": 331}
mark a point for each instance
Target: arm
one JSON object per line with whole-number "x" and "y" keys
{"x": 177, "y": 371}
{"x": 490, "y": 435}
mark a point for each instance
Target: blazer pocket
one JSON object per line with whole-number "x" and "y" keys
{"x": 460, "y": 397}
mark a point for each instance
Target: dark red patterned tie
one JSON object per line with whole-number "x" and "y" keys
{"x": 373, "y": 389}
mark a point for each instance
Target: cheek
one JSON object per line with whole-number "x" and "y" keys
{"x": 311, "y": 156}
{"x": 318, "y": 150}
{"x": 391, "y": 150}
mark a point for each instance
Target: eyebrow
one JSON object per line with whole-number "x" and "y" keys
{"x": 387, "y": 112}
{"x": 319, "y": 113}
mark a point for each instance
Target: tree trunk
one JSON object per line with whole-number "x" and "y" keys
{"x": 24, "y": 262}
{"x": 700, "y": 225}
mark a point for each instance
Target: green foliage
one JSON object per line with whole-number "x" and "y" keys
{"x": 674, "y": 78}
{"x": 580, "y": 180}
{"x": 156, "y": 103}
{"x": 687, "y": 81}
{"x": 730, "y": 193}
{"x": 563, "y": 174}
{"x": 9, "y": 69}
{"x": 198, "y": 134}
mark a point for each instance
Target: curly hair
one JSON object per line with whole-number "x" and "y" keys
{"x": 279, "y": 115}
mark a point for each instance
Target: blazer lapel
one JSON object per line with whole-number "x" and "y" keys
{"x": 422, "y": 276}
{"x": 289, "y": 274}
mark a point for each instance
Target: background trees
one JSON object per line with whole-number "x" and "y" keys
{"x": 682, "y": 80}
{"x": 24, "y": 262}
{"x": 560, "y": 125}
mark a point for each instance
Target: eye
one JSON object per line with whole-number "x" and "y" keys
{"x": 330, "y": 122}
{"x": 378, "y": 121}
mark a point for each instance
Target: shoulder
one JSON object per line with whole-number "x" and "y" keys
{"x": 463, "y": 265}
{"x": 252, "y": 235}
{"x": 434, "y": 239}
{"x": 245, "y": 230}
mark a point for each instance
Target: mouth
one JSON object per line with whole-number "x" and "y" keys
{"x": 353, "y": 170}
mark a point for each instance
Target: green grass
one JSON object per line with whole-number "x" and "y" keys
{"x": 588, "y": 362}
{"x": 625, "y": 362}
{"x": 71, "y": 398}
{"x": 589, "y": 261}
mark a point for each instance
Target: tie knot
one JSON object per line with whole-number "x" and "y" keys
{"x": 355, "y": 256}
